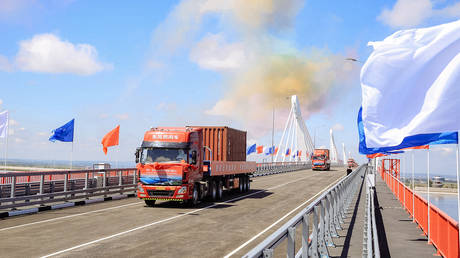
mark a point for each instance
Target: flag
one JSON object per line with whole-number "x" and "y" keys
{"x": 63, "y": 133}
{"x": 3, "y": 124}
{"x": 251, "y": 149}
{"x": 260, "y": 149}
{"x": 288, "y": 151}
{"x": 270, "y": 151}
{"x": 276, "y": 151}
{"x": 110, "y": 139}
{"x": 375, "y": 155}
{"x": 423, "y": 147}
{"x": 410, "y": 141}
{"x": 410, "y": 85}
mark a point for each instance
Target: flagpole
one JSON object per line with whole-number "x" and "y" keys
{"x": 458, "y": 190}
{"x": 413, "y": 188}
{"x": 6, "y": 139}
{"x": 71, "y": 157}
{"x": 428, "y": 186}
{"x": 404, "y": 176}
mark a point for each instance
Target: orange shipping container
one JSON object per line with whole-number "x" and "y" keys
{"x": 227, "y": 144}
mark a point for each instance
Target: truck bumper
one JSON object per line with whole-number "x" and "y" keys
{"x": 166, "y": 193}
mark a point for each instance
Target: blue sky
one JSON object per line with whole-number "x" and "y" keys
{"x": 162, "y": 63}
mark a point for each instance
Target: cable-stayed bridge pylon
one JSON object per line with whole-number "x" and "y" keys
{"x": 296, "y": 143}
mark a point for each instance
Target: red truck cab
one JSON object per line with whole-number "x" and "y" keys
{"x": 171, "y": 166}
{"x": 320, "y": 159}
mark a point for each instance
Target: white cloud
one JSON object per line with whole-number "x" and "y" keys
{"x": 42, "y": 133}
{"x": 1, "y": 101}
{"x": 213, "y": 53}
{"x": 10, "y": 131}
{"x": 103, "y": 115}
{"x": 5, "y": 65}
{"x": 410, "y": 13}
{"x": 22, "y": 129}
{"x": 47, "y": 53}
{"x": 338, "y": 127}
{"x": 122, "y": 116}
{"x": 18, "y": 140}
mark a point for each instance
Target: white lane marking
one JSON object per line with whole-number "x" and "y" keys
{"x": 168, "y": 219}
{"x": 279, "y": 220}
{"x": 69, "y": 216}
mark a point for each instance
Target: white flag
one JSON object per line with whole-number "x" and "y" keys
{"x": 411, "y": 85}
{"x": 3, "y": 124}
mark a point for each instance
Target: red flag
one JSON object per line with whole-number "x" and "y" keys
{"x": 276, "y": 150}
{"x": 375, "y": 155}
{"x": 423, "y": 147}
{"x": 110, "y": 139}
{"x": 260, "y": 149}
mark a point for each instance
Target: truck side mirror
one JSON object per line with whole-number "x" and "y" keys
{"x": 138, "y": 152}
{"x": 194, "y": 157}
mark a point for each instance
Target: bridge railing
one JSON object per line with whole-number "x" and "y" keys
{"x": 326, "y": 215}
{"x": 18, "y": 189}
{"x": 269, "y": 168}
{"x": 443, "y": 229}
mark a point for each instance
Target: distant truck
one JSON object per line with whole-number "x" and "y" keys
{"x": 350, "y": 165}
{"x": 321, "y": 160}
{"x": 191, "y": 163}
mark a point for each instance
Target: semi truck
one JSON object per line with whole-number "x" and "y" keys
{"x": 351, "y": 163}
{"x": 191, "y": 163}
{"x": 321, "y": 160}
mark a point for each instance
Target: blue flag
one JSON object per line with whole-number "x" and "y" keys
{"x": 409, "y": 141}
{"x": 251, "y": 149}
{"x": 63, "y": 133}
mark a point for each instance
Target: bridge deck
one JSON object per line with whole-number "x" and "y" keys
{"x": 398, "y": 235}
{"x": 127, "y": 228}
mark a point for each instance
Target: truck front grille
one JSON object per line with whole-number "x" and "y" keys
{"x": 160, "y": 193}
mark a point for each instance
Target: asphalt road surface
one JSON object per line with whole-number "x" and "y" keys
{"x": 128, "y": 228}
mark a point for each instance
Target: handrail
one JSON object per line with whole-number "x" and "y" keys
{"x": 443, "y": 228}
{"x": 329, "y": 208}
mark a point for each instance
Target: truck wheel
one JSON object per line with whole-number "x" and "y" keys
{"x": 219, "y": 189}
{"x": 241, "y": 184}
{"x": 150, "y": 203}
{"x": 248, "y": 184}
{"x": 213, "y": 190}
{"x": 195, "y": 196}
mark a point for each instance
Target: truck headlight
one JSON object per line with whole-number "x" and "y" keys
{"x": 182, "y": 190}
{"x": 140, "y": 188}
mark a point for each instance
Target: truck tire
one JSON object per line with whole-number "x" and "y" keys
{"x": 248, "y": 184}
{"x": 195, "y": 196}
{"x": 213, "y": 190}
{"x": 150, "y": 203}
{"x": 219, "y": 189}
{"x": 241, "y": 187}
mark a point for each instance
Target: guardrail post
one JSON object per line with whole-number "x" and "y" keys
{"x": 66, "y": 179}
{"x": 322, "y": 236}
{"x": 104, "y": 182}
{"x": 327, "y": 226}
{"x": 268, "y": 253}
{"x": 305, "y": 236}
{"x": 120, "y": 180}
{"x": 134, "y": 177}
{"x": 291, "y": 242}
{"x": 13, "y": 188}
{"x": 331, "y": 222}
{"x": 314, "y": 240}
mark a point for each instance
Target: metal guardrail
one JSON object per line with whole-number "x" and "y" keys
{"x": 265, "y": 169}
{"x": 370, "y": 234}
{"x": 325, "y": 213}
{"x": 19, "y": 189}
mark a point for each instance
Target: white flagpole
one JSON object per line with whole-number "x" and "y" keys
{"x": 458, "y": 189}
{"x": 7, "y": 132}
{"x": 428, "y": 186}
{"x": 71, "y": 156}
{"x": 413, "y": 188}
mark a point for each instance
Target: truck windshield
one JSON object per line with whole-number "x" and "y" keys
{"x": 319, "y": 157}
{"x": 163, "y": 155}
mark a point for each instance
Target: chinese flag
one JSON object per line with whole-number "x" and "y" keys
{"x": 110, "y": 139}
